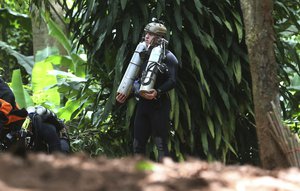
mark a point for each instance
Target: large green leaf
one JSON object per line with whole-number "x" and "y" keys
{"x": 25, "y": 61}
{"x": 22, "y": 97}
{"x": 178, "y": 16}
{"x": 78, "y": 64}
{"x": 210, "y": 126}
{"x": 70, "y": 107}
{"x": 42, "y": 82}
{"x": 123, "y": 3}
{"x": 58, "y": 34}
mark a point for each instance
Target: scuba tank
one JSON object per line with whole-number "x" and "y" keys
{"x": 153, "y": 66}
{"x": 132, "y": 70}
{"x": 46, "y": 116}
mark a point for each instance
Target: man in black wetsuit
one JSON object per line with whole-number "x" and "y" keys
{"x": 153, "y": 107}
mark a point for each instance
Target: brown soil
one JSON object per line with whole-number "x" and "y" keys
{"x": 41, "y": 172}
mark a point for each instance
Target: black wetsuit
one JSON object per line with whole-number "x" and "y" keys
{"x": 152, "y": 116}
{"x": 6, "y": 93}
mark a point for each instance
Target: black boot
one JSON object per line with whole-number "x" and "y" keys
{"x": 162, "y": 148}
{"x": 138, "y": 148}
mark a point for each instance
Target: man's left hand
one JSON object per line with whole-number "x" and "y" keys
{"x": 150, "y": 95}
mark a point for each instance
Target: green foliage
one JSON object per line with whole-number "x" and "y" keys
{"x": 25, "y": 61}
{"x": 22, "y": 96}
{"x": 287, "y": 17}
{"x": 20, "y": 6}
{"x": 212, "y": 104}
{"x": 293, "y": 105}
{"x": 206, "y": 37}
{"x": 41, "y": 82}
{"x": 15, "y": 45}
{"x": 47, "y": 80}
{"x": 14, "y": 19}
{"x": 15, "y": 39}
{"x": 87, "y": 134}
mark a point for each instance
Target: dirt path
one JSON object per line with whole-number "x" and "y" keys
{"x": 40, "y": 172}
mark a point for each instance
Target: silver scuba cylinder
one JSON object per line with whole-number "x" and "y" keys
{"x": 132, "y": 70}
{"x": 149, "y": 78}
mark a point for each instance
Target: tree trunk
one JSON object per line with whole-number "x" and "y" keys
{"x": 40, "y": 33}
{"x": 258, "y": 22}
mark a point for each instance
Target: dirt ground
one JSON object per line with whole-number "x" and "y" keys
{"x": 79, "y": 172}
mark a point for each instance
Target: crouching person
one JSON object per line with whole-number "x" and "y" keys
{"x": 40, "y": 131}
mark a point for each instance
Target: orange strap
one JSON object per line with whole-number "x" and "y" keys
{"x": 7, "y": 109}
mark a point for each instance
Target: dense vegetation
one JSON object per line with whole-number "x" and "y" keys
{"x": 212, "y": 109}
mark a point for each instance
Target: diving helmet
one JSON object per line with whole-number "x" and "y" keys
{"x": 156, "y": 27}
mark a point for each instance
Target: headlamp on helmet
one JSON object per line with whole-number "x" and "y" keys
{"x": 156, "y": 27}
